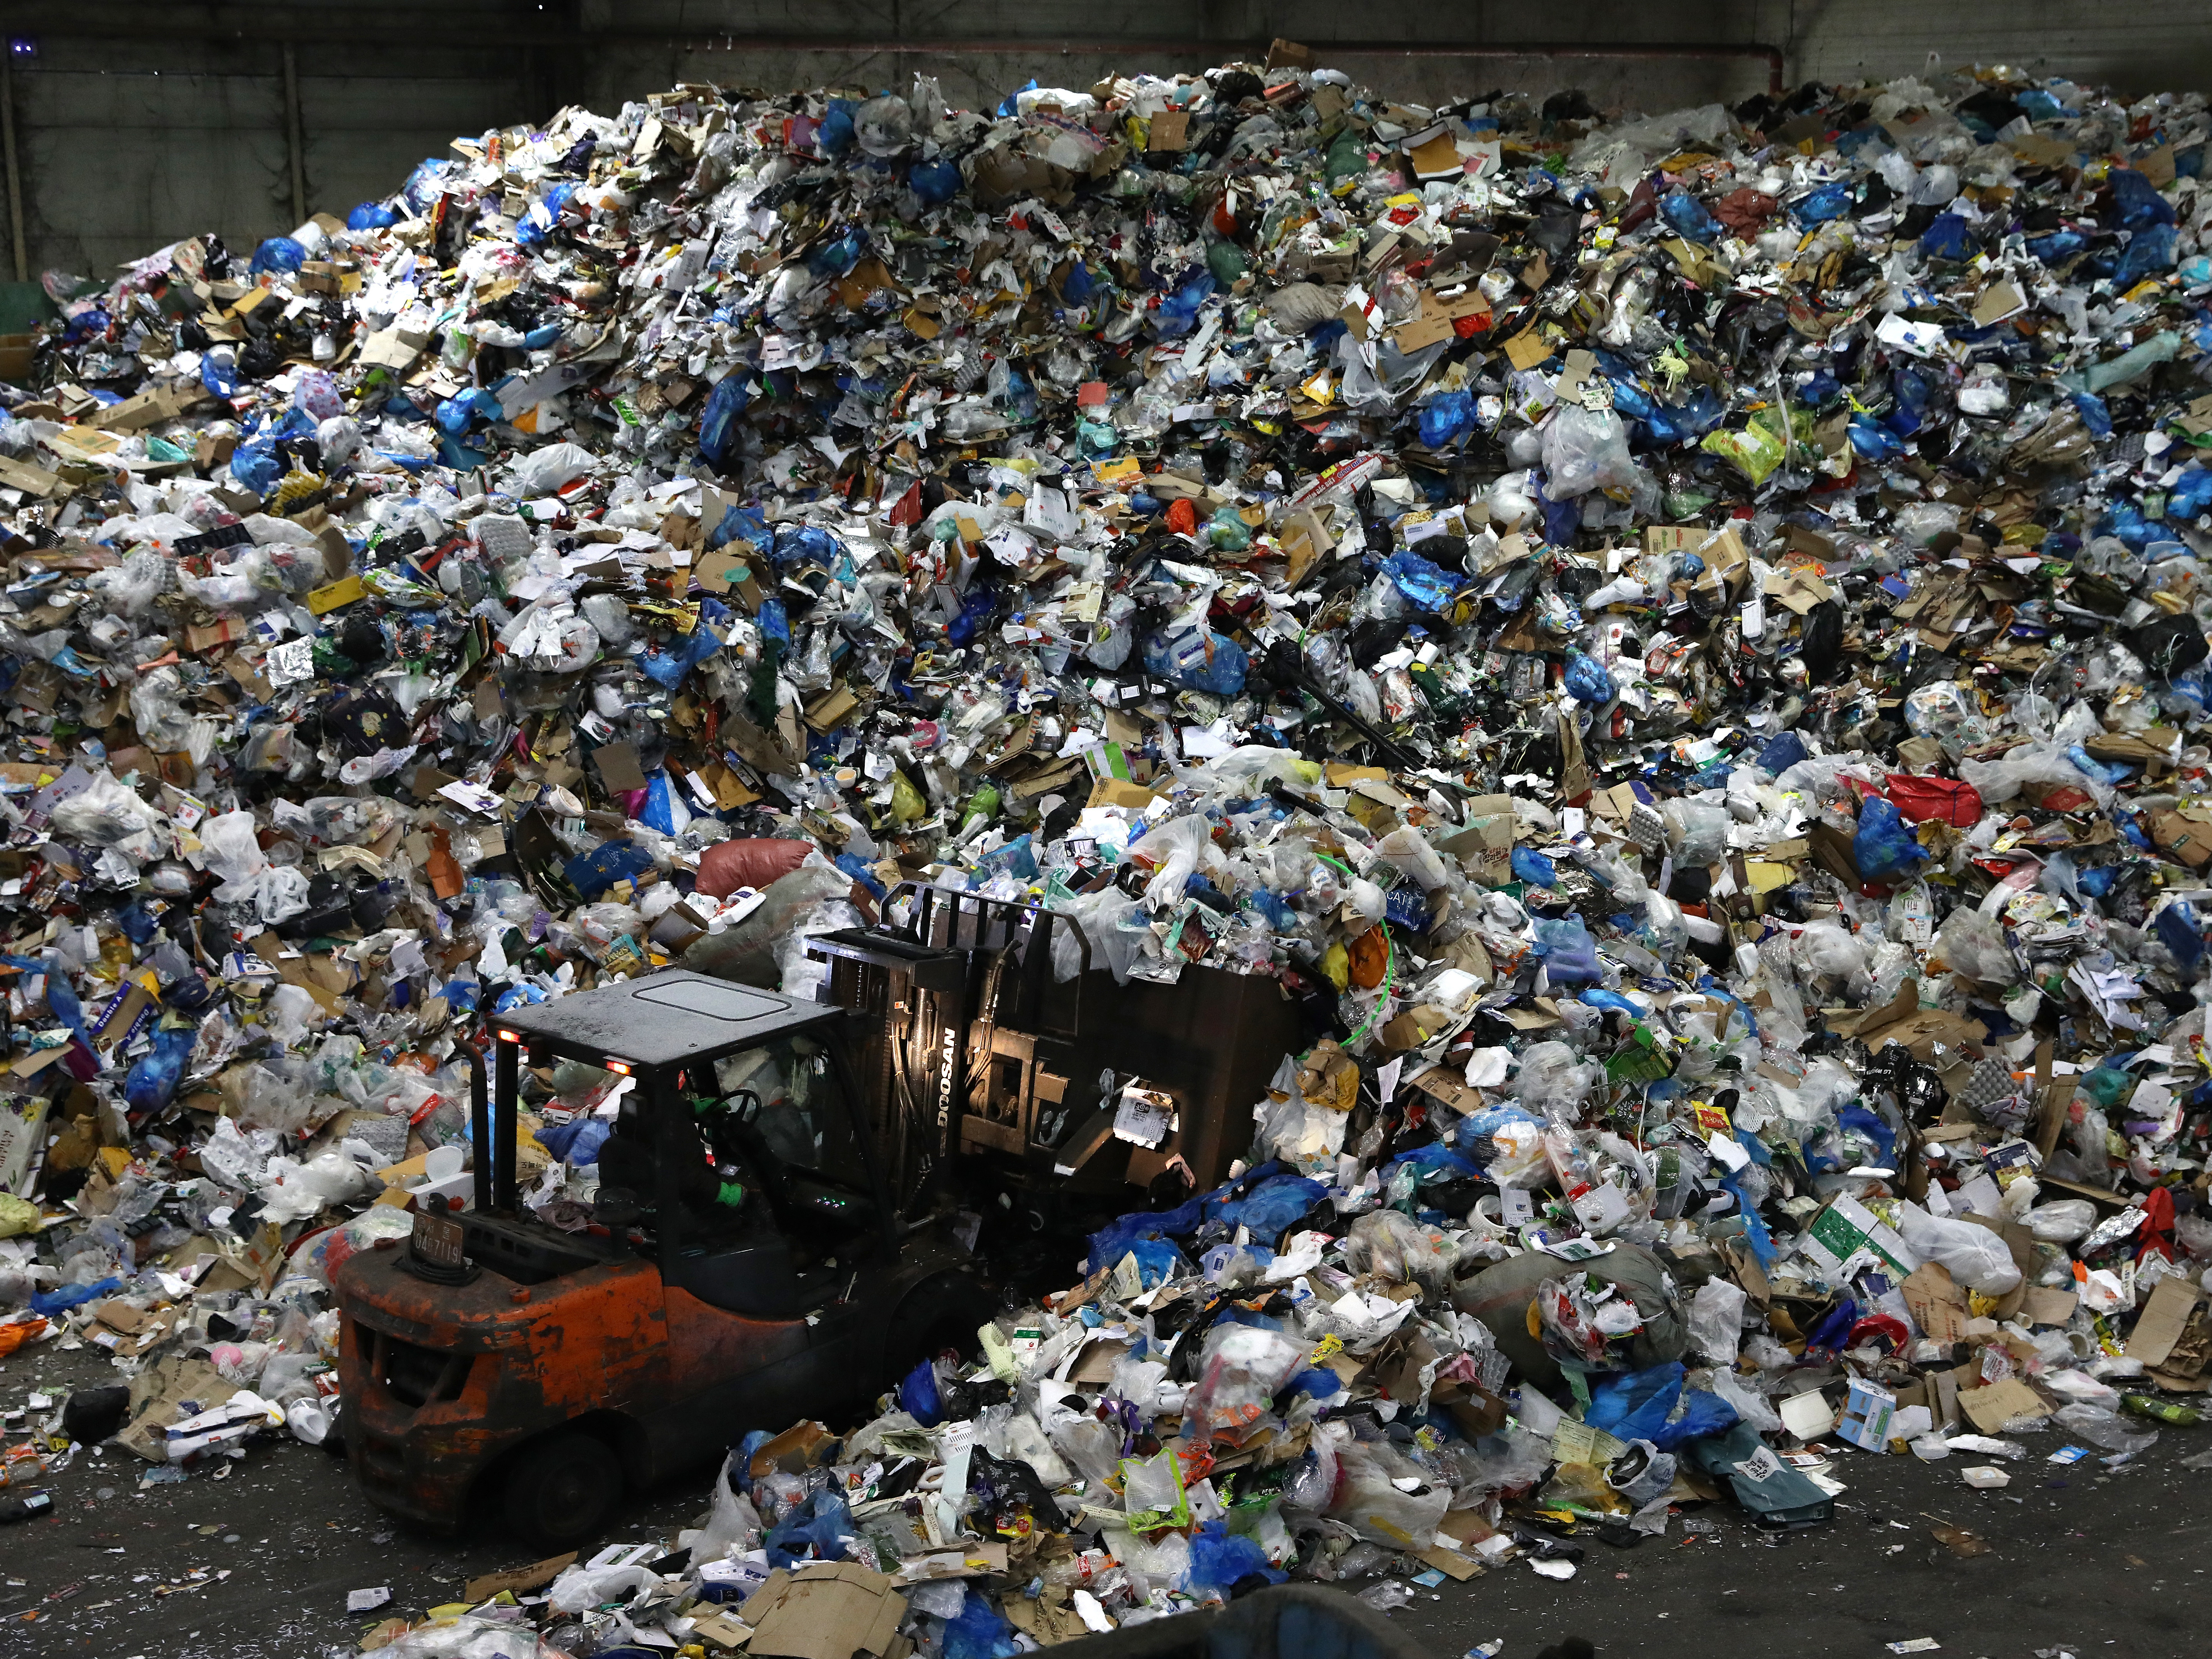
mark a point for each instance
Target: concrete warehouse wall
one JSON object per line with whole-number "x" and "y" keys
{"x": 137, "y": 122}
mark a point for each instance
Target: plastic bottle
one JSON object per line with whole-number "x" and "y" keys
{"x": 23, "y": 1466}
{"x": 2160, "y": 1411}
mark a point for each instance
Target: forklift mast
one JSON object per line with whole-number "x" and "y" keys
{"x": 961, "y": 1023}
{"x": 974, "y": 1051}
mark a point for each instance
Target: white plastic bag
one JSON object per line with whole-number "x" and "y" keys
{"x": 1975, "y": 1256}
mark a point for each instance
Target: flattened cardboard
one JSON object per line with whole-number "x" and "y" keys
{"x": 536, "y": 1576}
{"x": 1117, "y": 791}
{"x": 2163, "y": 1317}
{"x": 1443, "y": 1083}
{"x": 1989, "y": 1409}
{"x": 824, "y": 1610}
{"x": 1902, "y": 1020}
{"x": 618, "y": 768}
{"x": 1936, "y": 1304}
{"x": 2050, "y": 1307}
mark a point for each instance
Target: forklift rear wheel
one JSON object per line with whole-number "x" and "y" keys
{"x": 561, "y": 1489}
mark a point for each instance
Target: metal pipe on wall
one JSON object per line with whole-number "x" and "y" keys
{"x": 295, "y": 142}
{"x": 226, "y": 24}
{"x": 15, "y": 171}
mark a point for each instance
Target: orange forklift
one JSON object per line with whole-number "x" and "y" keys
{"x": 495, "y": 1354}
{"x": 948, "y": 1070}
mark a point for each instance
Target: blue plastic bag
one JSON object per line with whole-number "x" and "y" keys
{"x": 1687, "y": 216}
{"x": 2137, "y": 204}
{"x": 1587, "y": 681}
{"x": 2190, "y": 494}
{"x": 861, "y": 870}
{"x": 918, "y": 1396}
{"x": 2150, "y": 253}
{"x": 1636, "y": 1406}
{"x": 668, "y": 666}
{"x": 937, "y": 182}
{"x": 1446, "y": 418}
{"x": 1276, "y": 1203}
{"x": 717, "y": 422}
{"x": 1948, "y": 236}
{"x": 255, "y": 465}
{"x": 155, "y": 1074}
{"x": 371, "y": 216}
{"x": 2108, "y": 773}
{"x": 1435, "y": 1162}
{"x": 1704, "y": 1415}
{"x": 2177, "y": 930}
{"x": 1570, "y": 953}
{"x": 1780, "y": 753}
{"x": 659, "y": 812}
{"x": 1219, "y": 1557}
{"x": 1177, "y": 312}
{"x": 1883, "y": 846}
{"x": 577, "y": 1142}
{"x": 1533, "y": 867}
{"x": 820, "y": 1527}
{"x": 47, "y": 1303}
{"x": 1829, "y": 202}
{"x": 1429, "y": 587}
{"x": 979, "y": 1633}
{"x": 591, "y": 873}
{"x": 277, "y": 253}
{"x": 1198, "y": 658}
{"x": 836, "y": 133}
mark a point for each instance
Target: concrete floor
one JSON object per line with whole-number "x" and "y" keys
{"x": 257, "y": 1564}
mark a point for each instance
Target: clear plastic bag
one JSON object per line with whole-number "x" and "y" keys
{"x": 1697, "y": 830}
{"x": 1396, "y": 1247}
{"x": 1369, "y": 1500}
{"x": 1826, "y": 951}
{"x": 1240, "y": 1369}
{"x": 1553, "y": 1080}
{"x": 1090, "y": 1446}
{"x": 1716, "y": 1321}
{"x": 1585, "y": 449}
{"x": 1972, "y": 944}
{"x": 1751, "y": 1405}
{"x": 2103, "y": 1428}
{"x": 2063, "y": 1221}
{"x": 733, "y": 1528}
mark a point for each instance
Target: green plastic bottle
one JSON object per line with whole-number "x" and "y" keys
{"x": 2161, "y": 1411}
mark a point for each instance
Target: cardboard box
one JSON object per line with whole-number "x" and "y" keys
{"x": 1867, "y": 1416}
{"x": 22, "y": 1132}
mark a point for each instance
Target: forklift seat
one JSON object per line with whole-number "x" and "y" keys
{"x": 756, "y": 1276}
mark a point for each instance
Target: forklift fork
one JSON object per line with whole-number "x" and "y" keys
{"x": 960, "y": 988}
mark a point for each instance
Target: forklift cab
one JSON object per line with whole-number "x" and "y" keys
{"x": 558, "y": 1365}
{"x": 743, "y": 1083}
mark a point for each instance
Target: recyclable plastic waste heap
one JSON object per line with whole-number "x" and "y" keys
{"x": 1679, "y": 641}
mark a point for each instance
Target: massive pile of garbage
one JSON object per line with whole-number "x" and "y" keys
{"x": 1680, "y": 642}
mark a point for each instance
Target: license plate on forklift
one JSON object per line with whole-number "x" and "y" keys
{"x": 437, "y": 1241}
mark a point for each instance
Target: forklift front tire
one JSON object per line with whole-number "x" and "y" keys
{"x": 559, "y": 1489}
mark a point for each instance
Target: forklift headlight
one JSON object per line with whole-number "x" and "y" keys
{"x": 508, "y": 1036}
{"x": 620, "y": 1067}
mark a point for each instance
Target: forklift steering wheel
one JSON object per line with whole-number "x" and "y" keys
{"x": 750, "y": 1147}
